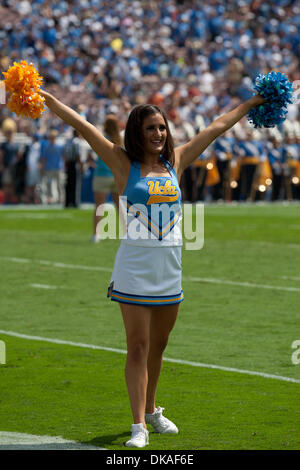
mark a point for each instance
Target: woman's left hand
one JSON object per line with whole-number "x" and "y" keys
{"x": 258, "y": 100}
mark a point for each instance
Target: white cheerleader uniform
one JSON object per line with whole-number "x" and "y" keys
{"x": 147, "y": 268}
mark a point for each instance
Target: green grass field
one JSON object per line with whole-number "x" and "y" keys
{"x": 241, "y": 311}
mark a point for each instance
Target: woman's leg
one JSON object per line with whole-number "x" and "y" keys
{"x": 99, "y": 198}
{"x": 137, "y": 319}
{"x": 162, "y": 322}
{"x": 115, "y": 198}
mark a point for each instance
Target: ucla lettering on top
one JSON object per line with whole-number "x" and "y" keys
{"x": 161, "y": 193}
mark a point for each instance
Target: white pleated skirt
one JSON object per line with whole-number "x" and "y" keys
{"x": 146, "y": 275}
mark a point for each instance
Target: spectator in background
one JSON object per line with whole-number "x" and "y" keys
{"x": 52, "y": 169}
{"x": 235, "y": 70}
{"x": 297, "y": 171}
{"x": 71, "y": 156}
{"x": 33, "y": 172}
{"x": 290, "y": 157}
{"x": 111, "y": 50}
{"x": 103, "y": 180}
{"x": 20, "y": 173}
{"x": 87, "y": 195}
{"x": 198, "y": 56}
{"x": 223, "y": 150}
{"x": 250, "y": 151}
{"x": 9, "y": 155}
{"x": 275, "y": 156}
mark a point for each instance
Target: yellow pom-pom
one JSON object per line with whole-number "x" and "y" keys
{"x": 23, "y": 82}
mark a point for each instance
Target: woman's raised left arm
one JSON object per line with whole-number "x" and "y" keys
{"x": 187, "y": 153}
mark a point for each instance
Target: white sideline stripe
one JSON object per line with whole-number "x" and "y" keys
{"x": 22, "y": 441}
{"x": 167, "y": 359}
{"x": 184, "y": 278}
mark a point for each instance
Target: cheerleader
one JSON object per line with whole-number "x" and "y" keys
{"x": 146, "y": 280}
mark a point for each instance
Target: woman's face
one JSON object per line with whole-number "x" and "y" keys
{"x": 154, "y": 134}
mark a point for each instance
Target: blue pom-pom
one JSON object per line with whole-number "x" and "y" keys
{"x": 277, "y": 90}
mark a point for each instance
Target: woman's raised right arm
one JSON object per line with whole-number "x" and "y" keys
{"x": 110, "y": 153}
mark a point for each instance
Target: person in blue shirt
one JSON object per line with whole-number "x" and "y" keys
{"x": 32, "y": 172}
{"x": 10, "y": 154}
{"x": 52, "y": 168}
{"x": 103, "y": 180}
{"x": 290, "y": 152}
{"x": 297, "y": 175}
{"x": 71, "y": 155}
{"x": 250, "y": 151}
{"x": 223, "y": 150}
{"x": 276, "y": 160}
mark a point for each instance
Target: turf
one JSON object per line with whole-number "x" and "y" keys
{"x": 80, "y": 394}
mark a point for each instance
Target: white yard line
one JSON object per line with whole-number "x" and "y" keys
{"x": 240, "y": 284}
{"x": 291, "y": 278}
{"x": 55, "y": 264}
{"x": 37, "y": 216}
{"x": 185, "y": 278}
{"x": 44, "y": 286}
{"x": 166, "y": 359}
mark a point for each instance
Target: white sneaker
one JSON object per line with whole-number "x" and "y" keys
{"x": 160, "y": 423}
{"x": 139, "y": 436}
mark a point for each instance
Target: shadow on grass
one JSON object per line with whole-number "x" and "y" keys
{"x": 117, "y": 440}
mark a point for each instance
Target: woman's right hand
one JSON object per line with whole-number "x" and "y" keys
{"x": 46, "y": 95}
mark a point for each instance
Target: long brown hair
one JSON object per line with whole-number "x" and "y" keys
{"x": 112, "y": 130}
{"x": 133, "y": 138}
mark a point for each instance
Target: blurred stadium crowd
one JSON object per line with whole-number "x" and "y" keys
{"x": 195, "y": 59}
